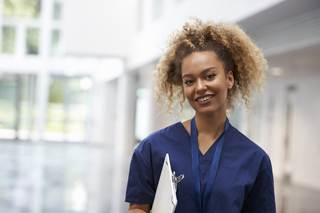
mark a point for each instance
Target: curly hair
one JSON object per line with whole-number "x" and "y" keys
{"x": 233, "y": 48}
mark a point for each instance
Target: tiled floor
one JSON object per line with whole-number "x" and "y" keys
{"x": 296, "y": 199}
{"x": 54, "y": 178}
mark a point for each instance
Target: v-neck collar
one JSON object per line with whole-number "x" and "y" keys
{"x": 205, "y": 160}
{"x": 186, "y": 140}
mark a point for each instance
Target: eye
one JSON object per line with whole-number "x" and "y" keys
{"x": 188, "y": 82}
{"x": 210, "y": 76}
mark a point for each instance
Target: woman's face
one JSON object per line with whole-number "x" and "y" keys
{"x": 205, "y": 82}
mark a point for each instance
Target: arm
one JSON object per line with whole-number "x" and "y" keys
{"x": 140, "y": 187}
{"x": 261, "y": 197}
{"x": 139, "y": 208}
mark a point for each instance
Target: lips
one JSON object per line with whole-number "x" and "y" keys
{"x": 204, "y": 98}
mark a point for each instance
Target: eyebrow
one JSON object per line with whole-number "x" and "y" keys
{"x": 204, "y": 71}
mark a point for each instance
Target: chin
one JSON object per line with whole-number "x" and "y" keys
{"x": 210, "y": 111}
{"x": 206, "y": 112}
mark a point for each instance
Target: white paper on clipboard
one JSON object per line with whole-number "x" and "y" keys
{"x": 165, "y": 200}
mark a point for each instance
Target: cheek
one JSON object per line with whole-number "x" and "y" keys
{"x": 187, "y": 93}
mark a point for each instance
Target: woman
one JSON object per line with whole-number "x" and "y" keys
{"x": 211, "y": 65}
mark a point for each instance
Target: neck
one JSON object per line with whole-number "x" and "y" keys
{"x": 210, "y": 125}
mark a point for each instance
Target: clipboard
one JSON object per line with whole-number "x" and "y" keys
{"x": 165, "y": 200}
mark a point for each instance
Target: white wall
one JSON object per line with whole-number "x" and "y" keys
{"x": 103, "y": 113}
{"x": 304, "y": 159}
{"x": 306, "y": 134}
{"x": 109, "y": 28}
{"x": 147, "y": 43}
{"x": 99, "y": 27}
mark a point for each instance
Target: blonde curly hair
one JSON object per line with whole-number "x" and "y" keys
{"x": 233, "y": 48}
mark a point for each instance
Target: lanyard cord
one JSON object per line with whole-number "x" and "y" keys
{"x": 195, "y": 165}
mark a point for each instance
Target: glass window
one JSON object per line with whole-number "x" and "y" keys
{"x": 8, "y": 39}
{"x": 68, "y": 108}
{"x": 55, "y": 39}
{"x": 26, "y": 105}
{"x": 17, "y": 107}
{"x": 32, "y": 41}
{"x": 55, "y": 113}
{"x": 57, "y": 5}
{"x": 8, "y": 92}
{"x": 142, "y": 115}
{"x": 21, "y": 8}
{"x": 78, "y": 108}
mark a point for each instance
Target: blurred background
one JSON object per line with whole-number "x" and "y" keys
{"x": 76, "y": 96}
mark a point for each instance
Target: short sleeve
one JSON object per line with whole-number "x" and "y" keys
{"x": 140, "y": 187}
{"x": 261, "y": 197}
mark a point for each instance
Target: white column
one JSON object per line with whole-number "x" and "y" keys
{"x": 20, "y": 40}
{"x": 45, "y": 28}
{"x": 157, "y": 120}
{"x": 43, "y": 75}
{"x": 41, "y": 102}
{"x": 1, "y": 9}
{"x": 104, "y": 112}
{"x": 124, "y": 139}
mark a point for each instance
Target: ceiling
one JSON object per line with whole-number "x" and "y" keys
{"x": 304, "y": 60}
{"x": 284, "y": 10}
{"x": 298, "y": 61}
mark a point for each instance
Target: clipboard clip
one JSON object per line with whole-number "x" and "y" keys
{"x": 176, "y": 180}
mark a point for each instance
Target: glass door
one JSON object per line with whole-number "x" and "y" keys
{"x": 17, "y": 106}
{"x": 68, "y": 109}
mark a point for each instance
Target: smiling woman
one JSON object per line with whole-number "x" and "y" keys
{"x": 233, "y": 48}
{"x": 210, "y": 65}
{"x": 205, "y": 83}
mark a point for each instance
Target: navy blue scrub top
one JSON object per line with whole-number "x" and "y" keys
{"x": 244, "y": 180}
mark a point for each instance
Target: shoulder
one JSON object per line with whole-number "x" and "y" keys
{"x": 245, "y": 147}
{"x": 241, "y": 139}
{"x": 162, "y": 137}
{"x": 155, "y": 146}
{"x": 168, "y": 132}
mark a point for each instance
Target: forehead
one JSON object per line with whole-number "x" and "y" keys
{"x": 199, "y": 61}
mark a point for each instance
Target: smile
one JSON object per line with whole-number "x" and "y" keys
{"x": 204, "y": 98}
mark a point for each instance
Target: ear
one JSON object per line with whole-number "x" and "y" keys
{"x": 230, "y": 79}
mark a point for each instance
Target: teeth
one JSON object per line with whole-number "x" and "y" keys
{"x": 204, "y": 99}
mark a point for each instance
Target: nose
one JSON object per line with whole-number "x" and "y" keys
{"x": 201, "y": 86}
